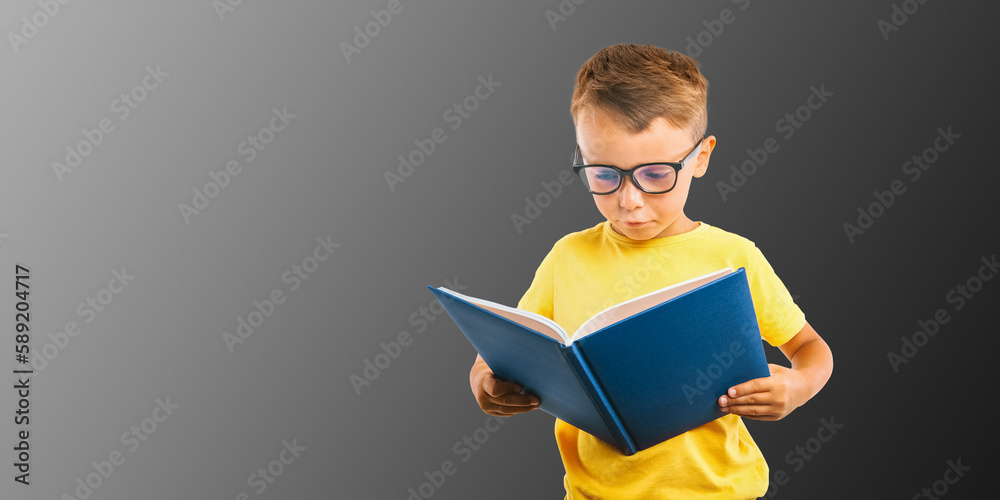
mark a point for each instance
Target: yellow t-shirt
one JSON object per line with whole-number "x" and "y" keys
{"x": 588, "y": 271}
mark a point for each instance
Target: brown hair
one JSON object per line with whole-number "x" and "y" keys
{"x": 639, "y": 83}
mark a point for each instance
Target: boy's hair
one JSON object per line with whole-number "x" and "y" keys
{"x": 638, "y": 83}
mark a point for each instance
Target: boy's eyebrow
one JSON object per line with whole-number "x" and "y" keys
{"x": 584, "y": 162}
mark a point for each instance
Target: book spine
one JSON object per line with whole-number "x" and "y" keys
{"x": 582, "y": 369}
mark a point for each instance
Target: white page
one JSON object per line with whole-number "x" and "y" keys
{"x": 638, "y": 304}
{"x": 534, "y": 321}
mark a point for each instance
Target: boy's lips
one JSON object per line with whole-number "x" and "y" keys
{"x": 634, "y": 223}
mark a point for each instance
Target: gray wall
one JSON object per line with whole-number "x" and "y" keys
{"x": 133, "y": 296}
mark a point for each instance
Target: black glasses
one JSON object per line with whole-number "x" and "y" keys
{"x": 652, "y": 178}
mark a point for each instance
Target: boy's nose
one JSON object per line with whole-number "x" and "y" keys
{"x": 629, "y": 196}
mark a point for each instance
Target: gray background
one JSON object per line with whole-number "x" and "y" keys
{"x": 323, "y": 175}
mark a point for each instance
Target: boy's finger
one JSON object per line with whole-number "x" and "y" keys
{"x": 748, "y": 387}
{"x": 517, "y": 400}
{"x": 496, "y": 387}
{"x": 506, "y": 411}
{"x": 509, "y": 408}
{"x": 754, "y": 412}
{"x": 756, "y": 398}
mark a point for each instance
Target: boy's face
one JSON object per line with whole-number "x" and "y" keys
{"x": 631, "y": 212}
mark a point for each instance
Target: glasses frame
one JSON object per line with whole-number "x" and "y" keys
{"x": 622, "y": 174}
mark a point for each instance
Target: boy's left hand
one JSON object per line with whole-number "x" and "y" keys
{"x": 768, "y": 398}
{"x": 774, "y": 397}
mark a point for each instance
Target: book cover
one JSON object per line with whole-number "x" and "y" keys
{"x": 647, "y": 371}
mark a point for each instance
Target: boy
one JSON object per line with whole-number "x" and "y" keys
{"x": 640, "y": 115}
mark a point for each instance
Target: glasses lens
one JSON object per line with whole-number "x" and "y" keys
{"x": 600, "y": 179}
{"x": 655, "y": 178}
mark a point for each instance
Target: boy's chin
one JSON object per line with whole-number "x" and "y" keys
{"x": 645, "y": 231}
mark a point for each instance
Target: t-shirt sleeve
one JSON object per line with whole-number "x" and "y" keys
{"x": 777, "y": 314}
{"x": 539, "y": 296}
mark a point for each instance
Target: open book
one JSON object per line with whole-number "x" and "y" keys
{"x": 635, "y": 374}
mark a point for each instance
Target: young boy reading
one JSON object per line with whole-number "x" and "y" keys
{"x": 640, "y": 115}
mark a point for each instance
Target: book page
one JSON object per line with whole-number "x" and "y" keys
{"x": 531, "y": 320}
{"x": 638, "y": 304}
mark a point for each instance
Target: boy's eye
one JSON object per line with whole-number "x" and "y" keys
{"x": 657, "y": 173}
{"x": 606, "y": 176}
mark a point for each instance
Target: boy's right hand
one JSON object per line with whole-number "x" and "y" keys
{"x": 497, "y": 397}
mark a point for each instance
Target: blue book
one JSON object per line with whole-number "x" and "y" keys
{"x": 635, "y": 374}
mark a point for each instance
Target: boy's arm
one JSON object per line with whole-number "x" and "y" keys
{"x": 774, "y": 397}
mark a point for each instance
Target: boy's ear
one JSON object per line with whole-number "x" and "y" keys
{"x": 701, "y": 161}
